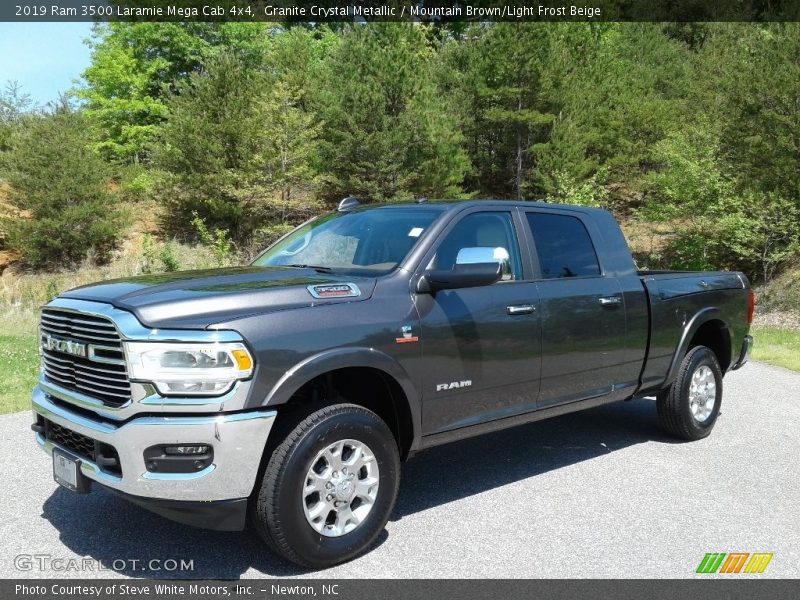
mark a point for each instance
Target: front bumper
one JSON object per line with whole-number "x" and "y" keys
{"x": 238, "y": 440}
{"x": 744, "y": 353}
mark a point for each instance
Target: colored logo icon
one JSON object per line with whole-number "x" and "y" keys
{"x": 734, "y": 562}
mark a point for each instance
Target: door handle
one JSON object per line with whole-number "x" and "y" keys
{"x": 520, "y": 309}
{"x": 609, "y": 300}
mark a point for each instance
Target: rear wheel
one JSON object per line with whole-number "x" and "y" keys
{"x": 329, "y": 487}
{"x": 689, "y": 408}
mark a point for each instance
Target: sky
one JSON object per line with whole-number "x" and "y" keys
{"x": 45, "y": 58}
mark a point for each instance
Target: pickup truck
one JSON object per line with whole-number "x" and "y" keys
{"x": 287, "y": 393}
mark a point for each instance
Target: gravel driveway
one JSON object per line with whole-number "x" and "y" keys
{"x": 600, "y": 493}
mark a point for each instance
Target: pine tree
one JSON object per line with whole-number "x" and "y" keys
{"x": 385, "y": 134}
{"x": 62, "y": 189}
{"x": 211, "y": 148}
{"x": 136, "y": 66}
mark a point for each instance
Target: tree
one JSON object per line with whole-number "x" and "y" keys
{"x": 14, "y": 103}
{"x": 501, "y": 102}
{"x": 211, "y": 148}
{"x": 289, "y": 144}
{"x": 63, "y": 188}
{"x": 136, "y": 67}
{"x": 753, "y": 75}
{"x": 295, "y": 59}
{"x": 385, "y": 133}
{"x": 620, "y": 89}
{"x": 717, "y": 225}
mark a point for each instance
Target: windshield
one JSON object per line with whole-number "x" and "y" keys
{"x": 368, "y": 242}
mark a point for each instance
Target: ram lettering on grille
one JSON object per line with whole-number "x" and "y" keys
{"x": 83, "y": 353}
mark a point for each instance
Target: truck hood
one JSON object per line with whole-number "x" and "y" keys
{"x": 197, "y": 299}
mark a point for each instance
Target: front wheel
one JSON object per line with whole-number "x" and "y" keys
{"x": 689, "y": 408}
{"x": 329, "y": 487}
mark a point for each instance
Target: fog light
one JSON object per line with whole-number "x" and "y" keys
{"x": 183, "y": 450}
{"x": 183, "y": 458}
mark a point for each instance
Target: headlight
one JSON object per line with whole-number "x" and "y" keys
{"x": 179, "y": 369}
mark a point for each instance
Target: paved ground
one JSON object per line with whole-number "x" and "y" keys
{"x": 595, "y": 494}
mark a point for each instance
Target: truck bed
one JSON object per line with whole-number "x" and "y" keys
{"x": 678, "y": 299}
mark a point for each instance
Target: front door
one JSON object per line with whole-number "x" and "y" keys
{"x": 480, "y": 345}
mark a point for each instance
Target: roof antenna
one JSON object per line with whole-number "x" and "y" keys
{"x": 348, "y": 203}
{"x": 421, "y": 200}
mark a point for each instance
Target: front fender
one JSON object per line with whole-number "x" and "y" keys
{"x": 339, "y": 358}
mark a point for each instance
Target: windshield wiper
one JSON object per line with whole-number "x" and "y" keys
{"x": 317, "y": 268}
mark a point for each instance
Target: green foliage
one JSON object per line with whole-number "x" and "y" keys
{"x": 265, "y": 236}
{"x": 14, "y": 104}
{"x": 762, "y": 232}
{"x": 19, "y": 368}
{"x": 216, "y": 239}
{"x": 248, "y": 127}
{"x": 777, "y": 347}
{"x": 63, "y": 187}
{"x": 386, "y": 134}
{"x": 506, "y": 111}
{"x": 169, "y": 259}
{"x": 136, "y": 184}
{"x": 620, "y": 89}
{"x": 158, "y": 257}
{"x": 783, "y": 292}
{"x": 719, "y": 226}
{"x": 756, "y": 86}
{"x": 134, "y": 70}
{"x": 289, "y": 149}
{"x": 212, "y": 148}
{"x": 590, "y": 192}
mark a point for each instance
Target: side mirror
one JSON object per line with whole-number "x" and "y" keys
{"x": 475, "y": 267}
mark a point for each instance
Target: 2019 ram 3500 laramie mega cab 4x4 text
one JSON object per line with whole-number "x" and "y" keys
{"x": 290, "y": 390}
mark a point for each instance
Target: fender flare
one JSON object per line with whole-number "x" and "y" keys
{"x": 698, "y": 320}
{"x": 340, "y": 358}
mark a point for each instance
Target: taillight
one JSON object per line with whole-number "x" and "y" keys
{"x": 751, "y": 305}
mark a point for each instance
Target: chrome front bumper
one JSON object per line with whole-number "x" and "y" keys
{"x": 238, "y": 440}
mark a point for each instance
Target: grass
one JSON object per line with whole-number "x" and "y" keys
{"x": 20, "y": 296}
{"x": 779, "y": 347}
{"x": 19, "y": 361}
{"x": 19, "y": 367}
{"x": 22, "y": 293}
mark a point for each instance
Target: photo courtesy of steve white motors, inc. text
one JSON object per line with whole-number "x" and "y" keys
{"x": 164, "y": 589}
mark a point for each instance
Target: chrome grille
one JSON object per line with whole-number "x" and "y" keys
{"x": 101, "y": 372}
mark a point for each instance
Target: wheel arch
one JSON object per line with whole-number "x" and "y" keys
{"x": 705, "y": 328}
{"x": 351, "y": 374}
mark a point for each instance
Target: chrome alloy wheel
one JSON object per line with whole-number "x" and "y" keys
{"x": 702, "y": 393}
{"x": 340, "y": 487}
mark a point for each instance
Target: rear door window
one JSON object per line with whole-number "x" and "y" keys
{"x": 563, "y": 245}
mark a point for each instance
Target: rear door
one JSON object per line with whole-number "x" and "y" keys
{"x": 480, "y": 345}
{"x": 582, "y": 312}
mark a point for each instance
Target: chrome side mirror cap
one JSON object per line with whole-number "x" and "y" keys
{"x": 482, "y": 254}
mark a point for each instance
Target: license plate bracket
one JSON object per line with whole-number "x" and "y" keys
{"x": 67, "y": 472}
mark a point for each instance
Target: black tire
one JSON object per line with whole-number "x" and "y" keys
{"x": 674, "y": 412}
{"x": 277, "y": 509}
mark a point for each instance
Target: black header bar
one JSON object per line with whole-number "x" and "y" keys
{"x": 430, "y": 11}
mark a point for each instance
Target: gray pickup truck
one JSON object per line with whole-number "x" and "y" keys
{"x": 290, "y": 390}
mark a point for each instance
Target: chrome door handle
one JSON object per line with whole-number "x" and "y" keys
{"x": 520, "y": 309}
{"x": 609, "y": 300}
